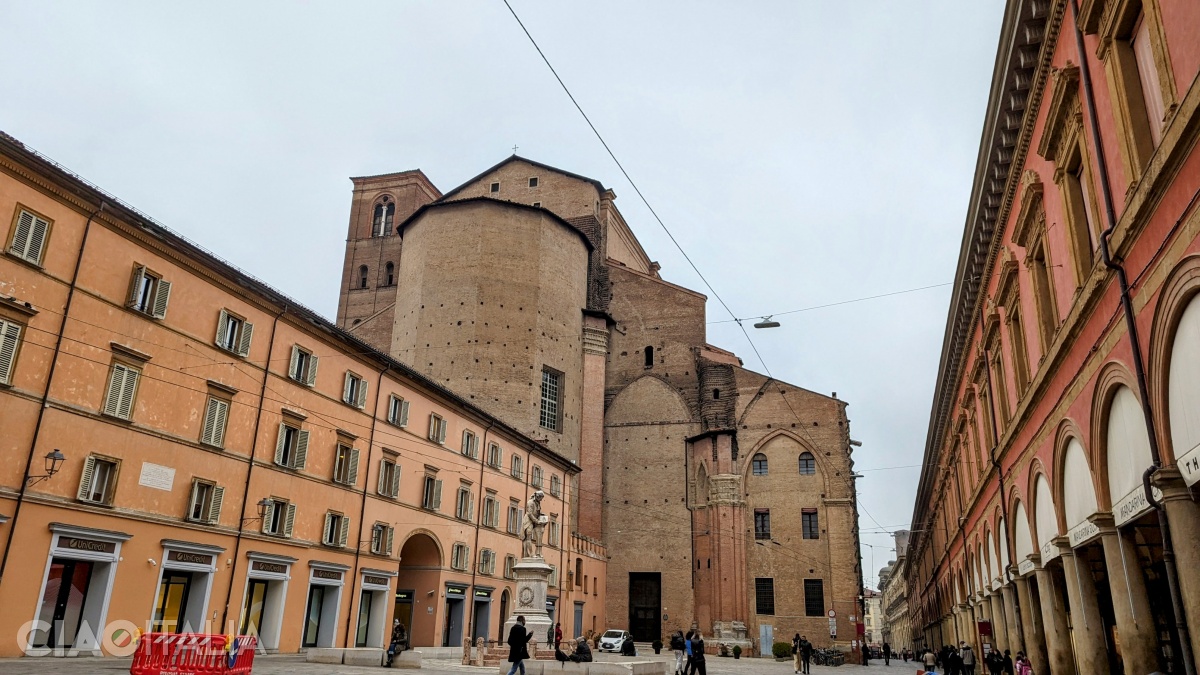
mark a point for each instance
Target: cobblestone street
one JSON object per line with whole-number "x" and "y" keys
{"x": 295, "y": 665}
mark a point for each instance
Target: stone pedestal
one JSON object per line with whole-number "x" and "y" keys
{"x": 533, "y": 578}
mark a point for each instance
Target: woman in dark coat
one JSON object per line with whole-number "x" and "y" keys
{"x": 518, "y": 646}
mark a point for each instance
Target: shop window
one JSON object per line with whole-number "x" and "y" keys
{"x": 397, "y": 411}
{"x": 808, "y": 464}
{"x": 234, "y": 333}
{"x": 437, "y": 428}
{"x": 205, "y": 503}
{"x": 148, "y": 293}
{"x": 762, "y": 523}
{"x": 99, "y": 482}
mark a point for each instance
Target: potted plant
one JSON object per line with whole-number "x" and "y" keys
{"x": 737, "y": 651}
{"x": 657, "y": 645}
{"x": 782, "y": 651}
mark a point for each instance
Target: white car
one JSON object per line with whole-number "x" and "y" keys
{"x": 611, "y": 641}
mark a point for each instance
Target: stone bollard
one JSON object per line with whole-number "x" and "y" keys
{"x": 466, "y": 659}
{"x": 480, "y": 651}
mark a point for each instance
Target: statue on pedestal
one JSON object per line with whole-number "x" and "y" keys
{"x": 533, "y": 526}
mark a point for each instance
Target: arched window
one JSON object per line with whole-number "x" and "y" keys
{"x": 716, "y": 394}
{"x": 649, "y": 353}
{"x": 381, "y": 223}
{"x": 758, "y": 464}
{"x": 808, "y": 464}
{"x": 362, "y": 276}
{"x": 390, "y": 272}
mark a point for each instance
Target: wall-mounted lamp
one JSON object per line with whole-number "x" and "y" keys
{"x": 263, "y": 505}
{"x": 54, "y": 461}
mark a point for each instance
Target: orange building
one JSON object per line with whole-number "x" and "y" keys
{"x": 232, "y": 461}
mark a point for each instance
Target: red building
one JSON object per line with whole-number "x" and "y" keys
{"x": 1071, "y": 361}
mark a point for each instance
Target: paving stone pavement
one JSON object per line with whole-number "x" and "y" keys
{"x": 295, "y": 665}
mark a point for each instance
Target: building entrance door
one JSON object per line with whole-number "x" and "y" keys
{"x": 645, "y": 605}
{"x": 252, "y": 613}
{"x": 312, "y": 616}
{"x": 364, "y": 619}
{"x": 481, "y": 614}
{"x": 63, "y": 602}
{"x": 456, "y": 600}
{"x": 577, "y": 630}
{"x": 171, "y": 605}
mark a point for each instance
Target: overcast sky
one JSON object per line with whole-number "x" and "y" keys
{"x": 802, "y": 153}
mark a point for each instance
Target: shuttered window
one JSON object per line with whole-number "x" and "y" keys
{"x": 29, "y": 237}
{"x": 470, "y": 444}
{"x": 216, "y": 416}
{"x": 148, "y": 292}
{"x": 397, "y": 411}
{"x": 280, "y": 517}
{"x": 491, "y": 511}
{"x": 234, "y": 333}
{"x": 389, "y": 478}
{"x": 303, "y": 366}
{"x": 122, "y": 386}
{"x": 382, "y": 536}
{"x": 465, "y": 507}
{"x": 291, "y": 447}
{"x": 345, "y": 465}
{"x": 495, "y": 456}
{"x": 460, "y": 556}
{"x": 355, "y": 391}
{"x": 99, "y": 480}
{"x": 487, "y": 561}
{"x": 337, "y": 530}
{"x": 432, "y": 495}
{"x": 437, "y": 428}
{"x": 10, "y": 339}
{"x": 205, "y": 504}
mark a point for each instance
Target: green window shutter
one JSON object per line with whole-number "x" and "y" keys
{"x": 301, "y": 449}
{"x": 20, "y": 242}
{"x": 135, "y": 284}
{"x": 442, "y": 431}
{"x": 290, "y": 520}
{"x": 391, "y": 533}
{"x": 325, "y": 538}
{"x": 214, "y": 509}
{"x": 437, "y": 495}
{"x": 116, "y": 383}
{"x": 243, "y": 348}
{"x": 128, "y": 387}
{"x": 218, "y": 435}
{"x": 10, "y": 334}
{"x": 352, "y": 476}
{"x": 85, "y": 483}
{"x": 403, "y": 413}
{"x": 346, "y": 388}
{"x": 161, "y": 295}
{"x": 381, "y": 488}
{"x": 208, "y": 431}
{"x": 279, "y": 444}
{"x": 312, "y": 369}
{"x": 37, "y": 239}
{"x": 345, "y": 531}
{"x": 396, "y": 481}
{"x": 222, "y": 327}
{"x": 294, "y": 367}
{"x": 362, "y": 394}
{"x": 269, "y": 518}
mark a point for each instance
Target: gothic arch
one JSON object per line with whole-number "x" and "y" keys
{"x": 823, "y": 470}
{"x": 625, "y": 407}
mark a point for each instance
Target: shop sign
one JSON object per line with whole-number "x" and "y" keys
{"x": 1133, "y": 505}
{"x": 456, "y": 591}
{"x": 190, "y": 558}
{"x": 273, "y": 568}
{"x": 1083, "y": 532}
{"x": 404, "y": 595}
{"x": 1025, "y": 567}
{"x": 89, "y": 545}
{"x": 1189, "y": 466}
{"x": 1049, "y": 551}
{"x": 985, "y": 628}
{"x": 327, "y": 574}
{"x": 375, "y": 581}
{"x": 483, "y": 594}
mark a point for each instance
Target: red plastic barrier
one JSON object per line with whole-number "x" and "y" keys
{"x": 193, "y": 654}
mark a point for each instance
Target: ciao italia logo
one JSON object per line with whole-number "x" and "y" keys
{"x": 118, "y": 638}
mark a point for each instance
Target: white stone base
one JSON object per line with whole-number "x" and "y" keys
{"x": 533, "y": 577}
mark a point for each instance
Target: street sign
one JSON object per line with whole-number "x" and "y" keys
{"x": 832, "y": 613}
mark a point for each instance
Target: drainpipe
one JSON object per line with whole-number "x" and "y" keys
{"x": 37, "y": 427}
{"x": 262, "y": 395}
{"x": 362, "y": 511}
{"x": 1181, "y": 626}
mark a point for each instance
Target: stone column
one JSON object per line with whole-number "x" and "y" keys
{"x": 1054, "y": 615}
{"x": 1031, "y": 626}
{"x": 1012, "y": 622}
{"x": 1091, "y": 652}
{"x": 999, "y": 628}
{"x": 1131, "y": 606}
{"x": 1183, "y": 515}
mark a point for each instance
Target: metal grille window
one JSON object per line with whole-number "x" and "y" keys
{"x": 814, "y": 597}
{"x": 762, "y": 523}
{"x": 550, "y": 417}
{"x": 758, "y": 465}
{"x": 812, "y": 527}
{"x": 808, "y": 464}
{"x": 764, "y": 596}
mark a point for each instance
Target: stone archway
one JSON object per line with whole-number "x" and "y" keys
{"x": 418, "y": 586}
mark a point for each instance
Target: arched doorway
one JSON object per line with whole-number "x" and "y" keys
{"x": 417, "y": 589}
{"x": 504, "y": 605}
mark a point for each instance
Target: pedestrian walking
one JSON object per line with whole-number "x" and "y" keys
{"x": 698, "y": 666}
{"x": 1022, "y": 665}
{"x": 687, "y": 646}
{"x": 806, "y": 652}
{"x": 887, "y": 654}
{"x": 518, "y": 646}
{"x": 967, "y": 655}
{"x": 994, "y": 662}
{"x": 679, "y": 648}
{"x": 929, "y": 660}
{"x": 1008, "y": 663}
